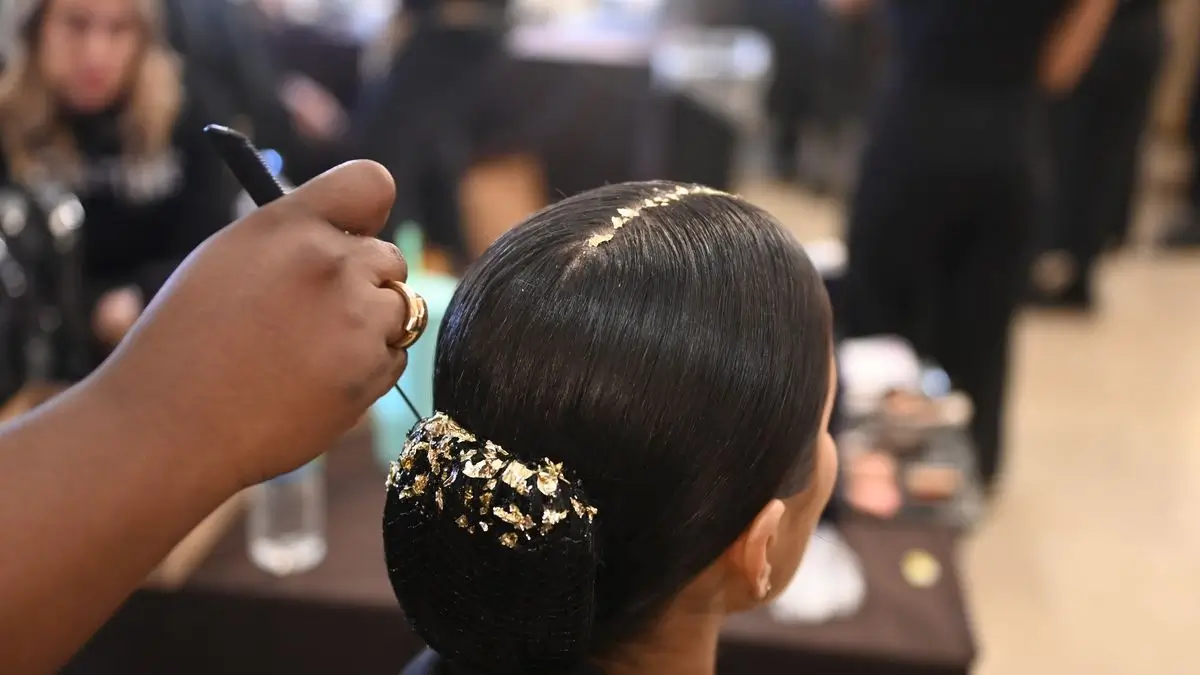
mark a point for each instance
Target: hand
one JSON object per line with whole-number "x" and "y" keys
{"x": 115, "y": 314}
{"x": 272, "y": 339}
{"x": 315, "y": 112}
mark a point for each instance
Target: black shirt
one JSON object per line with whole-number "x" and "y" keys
{"x": 444, "y": 105}
{"x": 142, "y": 218}
{"x": 970, "y": 44}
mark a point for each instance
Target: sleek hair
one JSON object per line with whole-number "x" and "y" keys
{"x": 36, "y": 144}
{"x": 670, "y": 346}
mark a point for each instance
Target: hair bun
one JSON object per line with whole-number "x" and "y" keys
{"x": 492, "y": 559}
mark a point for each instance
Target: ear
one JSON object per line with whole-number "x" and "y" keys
{"x": 749, "y": 557}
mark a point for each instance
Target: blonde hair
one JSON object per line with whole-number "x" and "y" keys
{"x": 35, "y": 142}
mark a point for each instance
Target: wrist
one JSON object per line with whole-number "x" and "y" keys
{"x": 159, "y": 429}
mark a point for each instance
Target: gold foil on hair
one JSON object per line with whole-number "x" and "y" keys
{"x": 516, "y": 475}
{"x": 416, "y": 487}
{"x": 513, "y": 516}
{"x": 625, "y": 214}
{"x": 597, "y": 239}
{"x": 550, "y": 518}
{"x": 485, "y": 468}
{"x": 582, "y": 510}
{"x": 548, "y": 476}
{"x": 517, "y": 501}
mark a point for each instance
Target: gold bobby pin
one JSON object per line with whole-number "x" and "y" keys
{"x": 661, "y": 198}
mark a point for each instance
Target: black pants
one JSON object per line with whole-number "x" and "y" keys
{"x": 938, "y": 236}
{"x": 1095, "y": 141}
{"x": 822, "y": 67}
{"x": 793, "y": 28}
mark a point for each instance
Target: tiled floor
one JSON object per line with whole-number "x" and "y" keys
{"x": 1089, "y": 563}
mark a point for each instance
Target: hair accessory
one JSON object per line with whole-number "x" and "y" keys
{"x": 492, "y": 558}
{"x": 661, "y": 198}
{"x": 447, "y": 471}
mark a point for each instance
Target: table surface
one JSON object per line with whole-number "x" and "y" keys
{"x": 897, "y": 623}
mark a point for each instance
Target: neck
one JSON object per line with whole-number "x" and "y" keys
{"x": 683, "y": 643}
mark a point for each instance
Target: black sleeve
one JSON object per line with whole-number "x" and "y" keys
{"x": 201, "y": 208}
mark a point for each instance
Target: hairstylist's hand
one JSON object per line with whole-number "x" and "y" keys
{"x": 272, "y": 339}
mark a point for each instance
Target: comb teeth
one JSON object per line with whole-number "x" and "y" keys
{"x": 246, "y": 163}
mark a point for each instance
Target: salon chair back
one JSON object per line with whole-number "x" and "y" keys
{"x": 391, "y": 418}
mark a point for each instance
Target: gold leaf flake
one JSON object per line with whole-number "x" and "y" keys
{"x": 583, "y": 511}
{"x": 516, "y": 475}
{"x": 597, "y": 239}
{"x": 548, "y": 476}
{"x": 513, "y": 516}
{"x": 486, "y": 468}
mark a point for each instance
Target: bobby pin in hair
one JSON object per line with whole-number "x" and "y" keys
{"x": 661, "y": 198}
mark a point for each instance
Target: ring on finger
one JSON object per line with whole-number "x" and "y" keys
{"x": 418, "y": 314}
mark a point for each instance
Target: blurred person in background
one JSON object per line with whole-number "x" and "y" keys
{"x": 1183, "y": 232}
{"x": 1095, "y": 133}
{"x": 821, "y": 49}
{"x": 436, "y": 111}
{"x": 92, "y": 100}
{"x": 940, "y": 222}
{"x": 230, "y": 66}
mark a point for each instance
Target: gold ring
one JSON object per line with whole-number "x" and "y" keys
{"x": 418, "y": 314}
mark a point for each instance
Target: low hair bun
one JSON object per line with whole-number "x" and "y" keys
{"x": 492, "y": 558}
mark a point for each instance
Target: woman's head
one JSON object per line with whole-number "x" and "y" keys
{"x": 84, "y": 57}
{"x": 86, "y": 50}
{"x": 670, "y": 347}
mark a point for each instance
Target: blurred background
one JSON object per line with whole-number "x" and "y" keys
{"x": 1070, "y": 547}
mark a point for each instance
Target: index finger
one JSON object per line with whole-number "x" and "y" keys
{"x": 356, "y": 197}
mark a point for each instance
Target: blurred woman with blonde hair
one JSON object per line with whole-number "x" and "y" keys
{"x": 92, "y": 102}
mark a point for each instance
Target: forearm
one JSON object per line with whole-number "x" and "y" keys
{"x": 1073, "y": 43}
{"x": 93, "y": 494}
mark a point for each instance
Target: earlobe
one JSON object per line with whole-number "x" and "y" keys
{"x": 764, "y": 582}
{"x": 751, "y": 554}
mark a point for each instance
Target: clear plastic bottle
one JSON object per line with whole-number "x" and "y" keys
{"x": 285, "y": 529}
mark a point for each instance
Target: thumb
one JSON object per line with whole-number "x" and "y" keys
{"x": 356, "y": 197}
